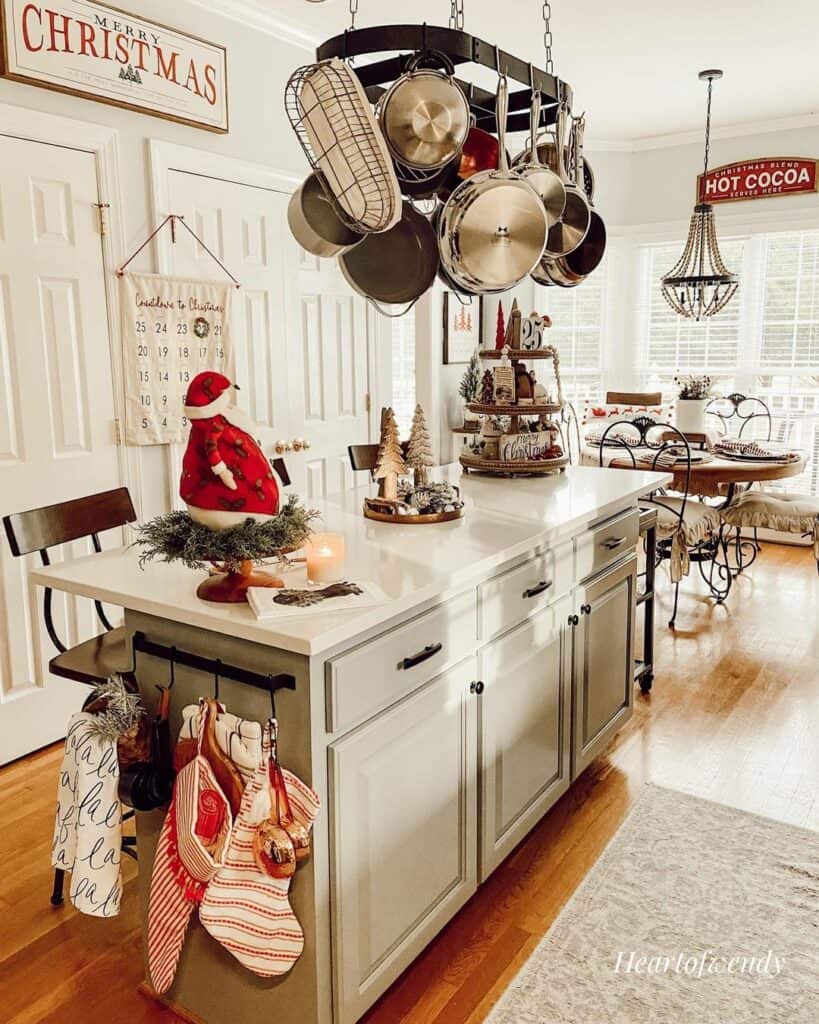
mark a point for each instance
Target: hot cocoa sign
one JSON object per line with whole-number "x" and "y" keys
{"x": 92, "y": 49}
{"x": 758, "y": 179}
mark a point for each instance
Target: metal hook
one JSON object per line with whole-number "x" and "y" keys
{"x": 272, "y": 697}
{"x": 172, "y": 679}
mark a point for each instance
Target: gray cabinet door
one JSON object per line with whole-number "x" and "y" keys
{"x": 404, "y": 832}
{"x": 603, "y": 670}
{"x": 524, "y": 730}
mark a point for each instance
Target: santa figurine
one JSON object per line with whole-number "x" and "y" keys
{"x": 226, "y": 477}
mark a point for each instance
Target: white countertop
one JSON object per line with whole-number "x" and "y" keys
{"x": 411, "y": 564}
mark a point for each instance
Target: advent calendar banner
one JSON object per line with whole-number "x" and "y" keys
{"x": 171, "y": 329}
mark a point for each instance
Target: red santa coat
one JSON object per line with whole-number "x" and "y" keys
{"x": 214, "y": 440}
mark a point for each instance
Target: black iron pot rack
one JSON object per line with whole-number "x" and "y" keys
{"x": 458, "y": 48}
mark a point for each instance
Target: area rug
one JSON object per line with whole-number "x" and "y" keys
{"x": 695, "y": 912}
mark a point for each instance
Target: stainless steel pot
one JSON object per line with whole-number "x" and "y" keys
{"x": 394, "y": 266}
{"x": 570, "y": 229}
{"x": 547, "y": 154}
{"x": 493, "y": 227}
{"x": 543, "y": 180}
{"x": 315, "y": 222}
{"x": 424, "y": 116}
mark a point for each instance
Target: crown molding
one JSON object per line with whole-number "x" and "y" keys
{"x": 730, "y": 131}
{"x": 259, "y": 16}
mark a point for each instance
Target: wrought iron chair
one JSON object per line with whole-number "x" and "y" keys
{"x": 687, "y": 530}
{"x": 570, "y": 438}
{"x": 107, "y": 654}
{"x": 737, "y": 411}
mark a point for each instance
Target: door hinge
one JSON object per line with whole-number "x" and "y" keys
{"x": 118, "y": 433}
{"x": 101, "y": 208}
{"x": 368, "y": 402}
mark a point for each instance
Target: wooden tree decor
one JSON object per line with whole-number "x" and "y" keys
{"x": 419, "y": 453}
{"x": 390, "y": 463}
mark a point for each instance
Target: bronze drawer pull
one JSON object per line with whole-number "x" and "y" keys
{"x": 538, "y": 588}
{"x": 612, "y": 542}
{"x": 428, "y": 652}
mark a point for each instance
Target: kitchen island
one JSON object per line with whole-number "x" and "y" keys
{"x": 437, "y": 727}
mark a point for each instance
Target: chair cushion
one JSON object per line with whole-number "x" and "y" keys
{"x": 700, "y": 521}
{"x": 789, "y": 513}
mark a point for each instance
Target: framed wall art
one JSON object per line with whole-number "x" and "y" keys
{"x": 463, "y": 328}
{"x": 93, "y": 50}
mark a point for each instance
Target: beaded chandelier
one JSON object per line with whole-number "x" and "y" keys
{"x": 700, "y": 285}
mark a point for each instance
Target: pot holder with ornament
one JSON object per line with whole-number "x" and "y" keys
{"x": 244, "y": 908}
{"x": 192, "y": 846}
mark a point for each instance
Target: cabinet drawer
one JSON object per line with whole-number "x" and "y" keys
{"x": 509, "y": 598}
{"x": 379, "y": 672}
{"x": 604, "y": 544}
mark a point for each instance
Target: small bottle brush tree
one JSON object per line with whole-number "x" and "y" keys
{"x": 500, "y": 329}
{"x": 471, "y": 380}
{"x": 390, "y": 463}
{"x": 419, "y": 452}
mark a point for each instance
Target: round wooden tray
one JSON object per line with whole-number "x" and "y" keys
{"x": 516, "y": 353}
{"x": 522, "y": 467}
{"x": 420, "y": 520}
{"x": 493, "y": 409}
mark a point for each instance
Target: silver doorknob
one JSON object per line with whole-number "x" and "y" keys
{"x": 282, "y": 446}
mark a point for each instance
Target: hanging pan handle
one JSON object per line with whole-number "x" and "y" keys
{"x": 534, "y": 123}
{"x": 501, "y": 112}
{"x": 431, "y": 59}
{"x": 392, "y": 316}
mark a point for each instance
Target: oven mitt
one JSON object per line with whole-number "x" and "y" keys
{"x": 88, "y": 828}
{"x": 192, "y": 846}
{"x": 247, "y": 911}
{"x": 239, "y": 738}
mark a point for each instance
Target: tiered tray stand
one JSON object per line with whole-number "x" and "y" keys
{"x": 519, "y": 467}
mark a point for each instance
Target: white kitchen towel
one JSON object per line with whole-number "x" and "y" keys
{"x": 88, "y": 828}
{"x": 263, "y": 601}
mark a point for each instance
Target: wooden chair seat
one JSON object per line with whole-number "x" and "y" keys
{"x": 94, "y": 660}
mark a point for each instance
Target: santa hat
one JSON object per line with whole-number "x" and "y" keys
{"x": 208, "y": 395}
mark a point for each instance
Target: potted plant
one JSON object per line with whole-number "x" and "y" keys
{"x": 468, "y": 390}
{"x": 693, "y": 393}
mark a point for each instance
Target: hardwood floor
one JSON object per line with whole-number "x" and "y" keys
{"x": 734, "y": 717}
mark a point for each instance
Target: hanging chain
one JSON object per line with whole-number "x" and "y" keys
{"x": 353, "y": 12}
{"x": 547, "y": 35}
{"x": 707, "y": 133}
{"x": 456, "y": 15}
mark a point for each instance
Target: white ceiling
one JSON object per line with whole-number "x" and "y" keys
{"x": 632, "y": 64}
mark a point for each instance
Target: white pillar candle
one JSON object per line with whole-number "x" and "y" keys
{"x": 325, "y": 558}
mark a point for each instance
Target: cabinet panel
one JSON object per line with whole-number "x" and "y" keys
{"x": 509, "y": 598}
{"x": 524, "y": 730}
{"x": 605, "y": 544}
{"x": 603, "y": 673}
{"x": 381, "y": 671}
{"x": 404, "y": 803}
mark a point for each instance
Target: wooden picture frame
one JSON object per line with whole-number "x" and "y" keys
{"x": 461, "y": 341}
{"x": 108, "y": 55}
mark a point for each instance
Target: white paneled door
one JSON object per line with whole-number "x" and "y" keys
{"x": 57, "y": 431}
{"x": 300, "y": 334}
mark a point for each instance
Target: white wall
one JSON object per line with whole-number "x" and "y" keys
{"x": 258, "y": 67}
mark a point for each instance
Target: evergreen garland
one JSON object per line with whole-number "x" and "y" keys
{"x": 175, "y": 537}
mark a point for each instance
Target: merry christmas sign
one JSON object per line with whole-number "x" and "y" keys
{"x": 92, "y": 49}
{"x": 758, "y": 179}
{"x": 171, "y": 329}
{"x": 536, "y": 445}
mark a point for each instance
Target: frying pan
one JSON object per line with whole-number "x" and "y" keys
{"x": 570, "y": 230}
{"x": 493, "y": 227}
{"x": 394, "y": 266}
{"x": 574, "y": 267}
{"x": 543, "y": 180}
{"x": 315, "y": 222}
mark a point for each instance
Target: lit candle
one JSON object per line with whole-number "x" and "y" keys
{"x": 325, "y": 558}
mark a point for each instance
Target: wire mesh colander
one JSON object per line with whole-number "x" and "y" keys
{"x": 332, "y": 118}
